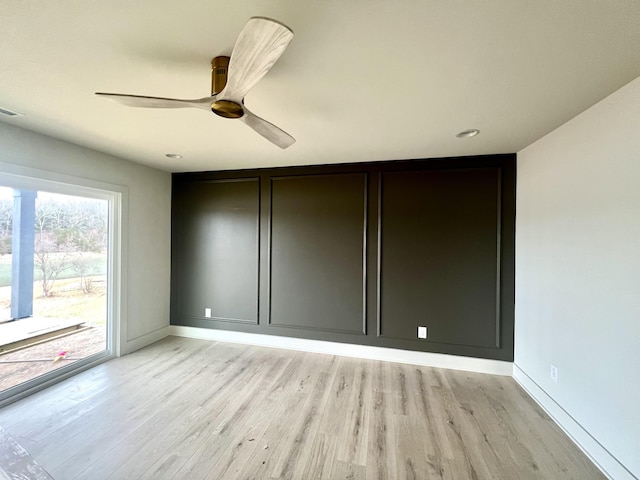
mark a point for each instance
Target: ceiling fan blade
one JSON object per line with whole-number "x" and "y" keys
{"x": 259, "y": 45}
{"x": 158, "y": 102}
{"x": 268, "y": 130}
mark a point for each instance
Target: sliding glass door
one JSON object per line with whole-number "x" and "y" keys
{"x": 56, "y": 268}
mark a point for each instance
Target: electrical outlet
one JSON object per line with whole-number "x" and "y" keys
{"x": 422, "y": 332}
{"x": 207, "y": 312}
{"x": 553, "y": 373}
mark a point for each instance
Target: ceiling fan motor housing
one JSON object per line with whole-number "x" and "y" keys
{"x": 219, "y": 69}
{"x": 222, "y": 108}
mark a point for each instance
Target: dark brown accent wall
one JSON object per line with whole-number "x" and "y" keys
{"x": 439, "y": 255}
{"x": 216, "y": 233}
{"x": 317, "y": 252}
{"x": 359, "y": 253}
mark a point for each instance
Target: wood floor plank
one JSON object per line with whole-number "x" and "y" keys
{"x": 354, "y": 436}
{"x": 321, "y": 459}
{"x": 185, "y": 408}
{"x": 382, "y": 455}
{"x": 338, "y": 396}
{"x": 347, "y": 471}
{"x": 304, "y": 427}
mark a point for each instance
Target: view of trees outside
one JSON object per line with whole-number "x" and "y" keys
{"x": 70, "y": 239}
{"x": 68, "y": 231}
{"x": 70, "y": 266}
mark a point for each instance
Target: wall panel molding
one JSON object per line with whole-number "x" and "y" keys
{"x": 437, "y": 231}
{"x": 317, "y": 252}
{"x": 323, "y": 250}
{"x": 216, "y": 250}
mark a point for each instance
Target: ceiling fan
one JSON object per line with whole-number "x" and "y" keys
{"x": 260, "y": 43}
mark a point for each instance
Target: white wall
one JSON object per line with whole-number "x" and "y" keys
{"x": 578, "y": 277}
{"x": 147, "y": 230}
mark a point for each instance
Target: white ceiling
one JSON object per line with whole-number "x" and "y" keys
{"x": 362, "y": 80}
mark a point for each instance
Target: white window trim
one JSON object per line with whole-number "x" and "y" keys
{"x": 16, "y": 176}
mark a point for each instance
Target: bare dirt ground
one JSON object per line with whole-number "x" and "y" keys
{"x": 68, "y": 301}
{"x": 21, "y": 365}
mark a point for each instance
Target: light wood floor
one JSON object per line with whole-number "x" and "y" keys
{"x": 192, "y": 409}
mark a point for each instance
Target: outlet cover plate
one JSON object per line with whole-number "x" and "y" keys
{"x": 422, "y": 332}
{"x": 207, "y": 312}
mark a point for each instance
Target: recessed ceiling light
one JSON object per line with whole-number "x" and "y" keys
{"x": 472, "y": 132}
{"x": 177, "y": 156}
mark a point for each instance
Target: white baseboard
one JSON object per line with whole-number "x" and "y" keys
{"x": 481, "y": 365}
{"x": 144, "y": 340}
{"x": 599, "y": 455}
